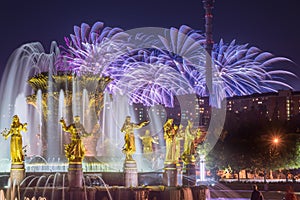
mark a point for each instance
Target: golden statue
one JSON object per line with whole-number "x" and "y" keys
{"x": 179, "y": 137}
{"x": 170, "y": 131}
{"x": 200, "y": 136}
{"x": 128, "y": 127}
{"x": 189, "y": 145}
{"x": 16, "y": 148}
{"x": 75, "y": 150}
{"x": 147, "y": 141}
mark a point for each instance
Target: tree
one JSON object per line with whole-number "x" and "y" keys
{"x": 248, "y": 144}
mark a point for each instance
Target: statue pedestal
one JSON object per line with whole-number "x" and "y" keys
{"x": 131, "y": 175}
{"x": 190, "y": 173}
{"x": 179, "y": 167}
{"x": 17, "y": 173}
{"x": 75, "y": 175}
{"x": 76, "y": 193}
{"x": 170, "y": 175}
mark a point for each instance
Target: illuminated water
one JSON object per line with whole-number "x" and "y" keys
{"x": 45, "y": 139}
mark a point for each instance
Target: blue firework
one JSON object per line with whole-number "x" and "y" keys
{"x": 172, "y": 64}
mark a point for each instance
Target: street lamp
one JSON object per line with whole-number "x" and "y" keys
{"x": 273, "y": 147}
{"x": 275, "y": 141}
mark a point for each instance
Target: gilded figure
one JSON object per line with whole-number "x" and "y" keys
{"x": 75, "y": 150}
{"x": 170, "y": 131}
{"x": 16, "y": 146}
{"x": 128, "y": 128}
{"x": 147, "y": 141}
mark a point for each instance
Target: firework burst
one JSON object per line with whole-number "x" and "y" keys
{"x": 151, "y": 82}
{"x": 243, "y": 71}
{"x": 172, "y": 64}
{"x": 91, "y": 50}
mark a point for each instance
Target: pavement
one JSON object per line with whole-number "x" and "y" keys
{"x": 221, "y": 191}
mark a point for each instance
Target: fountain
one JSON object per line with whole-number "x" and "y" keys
{"x": 104, "y": 75}
{"x": 47, "y": 96}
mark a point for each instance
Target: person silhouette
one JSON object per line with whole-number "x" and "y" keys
{"x": 256, "y": 194}
{"x": 290, "y": 194}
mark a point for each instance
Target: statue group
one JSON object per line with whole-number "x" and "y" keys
{"x": 173, "y": 135}
{"x": 75, "y": 150}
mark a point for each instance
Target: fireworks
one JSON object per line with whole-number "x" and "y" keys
{"x": 152, "y": 83}
{"x": 174, "y": 64}
{"x": 242, "y": 71}
{"x": 91, "y": 50}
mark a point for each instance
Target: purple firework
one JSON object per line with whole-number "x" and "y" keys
{"x": 239, "y": 70}
{"x": 174, "y": 65}
{"x": 91, "y": 50}
{"x": 183, "y": 49}
{"x": 150, "y": 81}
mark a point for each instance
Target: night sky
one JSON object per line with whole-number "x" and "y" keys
{"x": 271, "y": 25}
